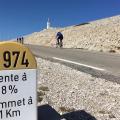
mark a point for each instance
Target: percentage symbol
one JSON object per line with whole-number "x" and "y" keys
{"x": 13, "y": 89}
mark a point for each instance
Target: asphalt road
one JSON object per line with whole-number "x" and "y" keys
{"x": 106, "y": 62}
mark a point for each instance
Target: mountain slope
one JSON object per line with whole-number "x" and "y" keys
{"x": 99, "y": 35}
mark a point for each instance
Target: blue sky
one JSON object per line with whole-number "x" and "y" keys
{"x": 22, "y": 17}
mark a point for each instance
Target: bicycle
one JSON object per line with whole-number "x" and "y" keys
{"x": 60, "y": 44}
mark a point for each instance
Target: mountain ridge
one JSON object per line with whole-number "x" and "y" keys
{"x": 100, "y": 35}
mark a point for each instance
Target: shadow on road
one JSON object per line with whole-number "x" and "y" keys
{"x": 46, "y": 112}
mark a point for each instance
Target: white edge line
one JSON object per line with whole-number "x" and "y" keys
{"x": 68, "y": 61}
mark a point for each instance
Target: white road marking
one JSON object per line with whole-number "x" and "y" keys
{"x": 76, "y": 63}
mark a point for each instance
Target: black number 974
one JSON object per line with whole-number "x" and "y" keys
{"x": 7, "y": 56}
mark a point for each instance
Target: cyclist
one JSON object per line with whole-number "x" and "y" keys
{"x": 59, "y": 38}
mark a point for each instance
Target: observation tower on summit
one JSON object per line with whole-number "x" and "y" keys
{"x": 48, "y": 24}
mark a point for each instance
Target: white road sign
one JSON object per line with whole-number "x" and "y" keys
{"x": 18, "y": 98}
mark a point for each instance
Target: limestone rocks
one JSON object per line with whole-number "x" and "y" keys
{"x": 101, "y": 35}
{"x": 66, "y": 90}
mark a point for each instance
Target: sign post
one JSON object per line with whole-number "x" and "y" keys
{"x": 18, "y": 94}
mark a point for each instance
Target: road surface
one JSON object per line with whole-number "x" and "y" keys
{"x": 90, "y": 60}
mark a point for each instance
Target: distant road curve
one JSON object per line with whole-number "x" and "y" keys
{"x": 81, "y": 59}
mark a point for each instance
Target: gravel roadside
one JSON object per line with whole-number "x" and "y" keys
{"x": 67, "y": 90}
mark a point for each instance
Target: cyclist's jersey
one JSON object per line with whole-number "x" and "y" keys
{"x": 59, "y": 36}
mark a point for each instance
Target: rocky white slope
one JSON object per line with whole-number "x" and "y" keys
{"x": 99, "y": 35}
{"x": 66, "y": 90}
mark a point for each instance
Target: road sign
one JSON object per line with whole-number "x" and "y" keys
{"x": 18, "y": 98}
